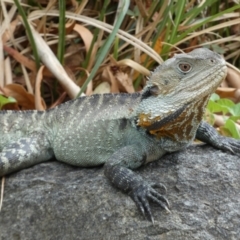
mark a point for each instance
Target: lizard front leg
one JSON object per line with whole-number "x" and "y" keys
{"x": 117, "y": 169}
{"x": 25, "y": 152}
{"x": 206, "y": 133}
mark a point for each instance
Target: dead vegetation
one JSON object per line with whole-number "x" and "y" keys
{"x": 49, "y": 50}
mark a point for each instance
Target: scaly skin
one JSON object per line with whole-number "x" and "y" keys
{"x": 122, "y": 131}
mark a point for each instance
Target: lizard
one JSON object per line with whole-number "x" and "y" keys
{"x": 122, "y": 131}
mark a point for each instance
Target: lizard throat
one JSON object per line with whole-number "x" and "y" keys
{"x": 179, "y": 125}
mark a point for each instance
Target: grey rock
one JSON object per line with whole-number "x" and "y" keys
{"x": 53, "y": 200}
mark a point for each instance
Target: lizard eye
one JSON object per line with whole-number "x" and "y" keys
{"x": 184, "y": 67}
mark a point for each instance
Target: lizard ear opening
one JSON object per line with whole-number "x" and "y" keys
{"x": 152, "y": 90}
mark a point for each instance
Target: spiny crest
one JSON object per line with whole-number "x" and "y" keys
{"x": 201, "y": 53}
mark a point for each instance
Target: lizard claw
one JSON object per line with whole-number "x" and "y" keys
{"x": 159, "y": 185}
{"x": 145, "y": 192}
{"x": 208, "y": 134}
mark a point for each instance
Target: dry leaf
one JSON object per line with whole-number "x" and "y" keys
{"x": 231, "y": 93}
{"x": 125, "y": 81}
{"x": 107, "y": 74}
{"x": 8, "y": 71}
{"x": 233, "y": 78}
{"x": 23, "y": 98}
{"x": 38, "y": 103}
{"x": 52, "y": 63}
{"x": 9, "y": 31}
{"x": 85, "y": 34}
{"x": 28, "y": 63}
{"x": 134, "y": 65}
{"x": 74, "y": 55}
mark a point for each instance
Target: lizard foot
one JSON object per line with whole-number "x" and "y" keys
{"x": 141, "y": 195}
{"x": 206, "y": 133}
{"x": 228, "y": 144}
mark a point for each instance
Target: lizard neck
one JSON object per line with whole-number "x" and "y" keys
{"x": 174, "y": 121}
{"x": 174, "y": 100}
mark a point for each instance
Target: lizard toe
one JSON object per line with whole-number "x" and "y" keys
{"x": 229, "y": 144}
{"x": 160, "y": 199}
{"x": 159, "y": 185}
{"x": 145, "y": 192}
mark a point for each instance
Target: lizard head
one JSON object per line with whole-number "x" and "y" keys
{"x": 198, "y": 72}
{"x": 180, "y": 88}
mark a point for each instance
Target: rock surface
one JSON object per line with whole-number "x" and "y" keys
{"x": 56, "y": 201}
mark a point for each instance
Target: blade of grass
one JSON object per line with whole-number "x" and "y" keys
{"x": 61, "y": 39}
{"x": 95, "y": 35}
{"x": 179, "y": 14}
{"x": 192, "y": 14}
{"x": 29, "y": 33}
{"x": 166, "y": 21}
{"x": 116, "y": 47}
{"x": 213, "y": 28}
{"x": 61, "y": 30}
{"x": 172, "y": 28}
{"x": 123, "y": 35}
{"x": 104, "y": 50}
{"x": 179, "y": 39}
